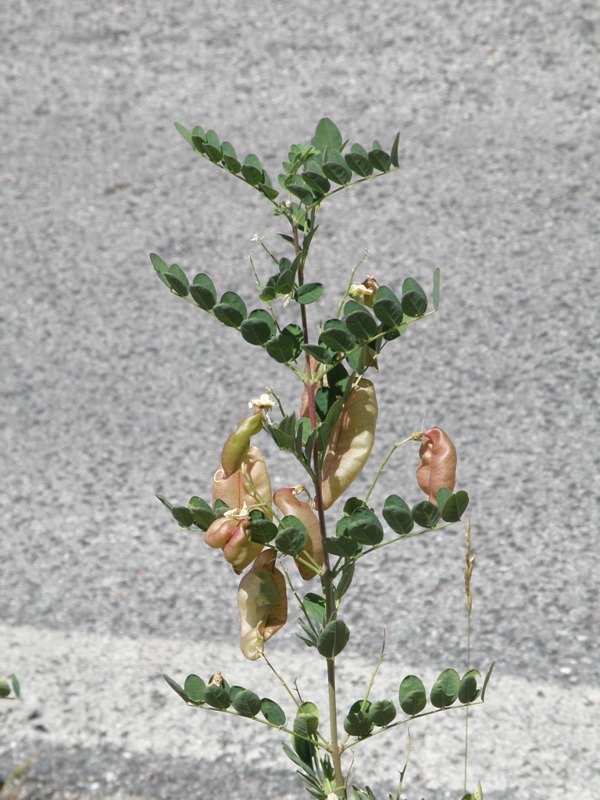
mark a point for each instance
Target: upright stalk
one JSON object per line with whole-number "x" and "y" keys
{"x": 468, "y": 572}
{"x": 327, "y": 577}
{"x": 331, "y": 612}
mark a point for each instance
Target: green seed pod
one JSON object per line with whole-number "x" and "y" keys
{"x": 237, "y": 445}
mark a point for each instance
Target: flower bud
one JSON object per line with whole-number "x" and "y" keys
{"x": 287, "y": 502}
{"x": 364, "y": 292}
{"x": 437, "y": 469}
{"x": 262, "y": 603}
{"x": 351, "y": 442}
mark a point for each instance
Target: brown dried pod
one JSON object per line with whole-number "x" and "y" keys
{"x": 437, "y": 469}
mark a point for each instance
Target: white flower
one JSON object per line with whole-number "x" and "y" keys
{"x": 238, "y": 513}
{"x": 264, "y": 401}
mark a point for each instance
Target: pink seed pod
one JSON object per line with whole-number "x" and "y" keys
{"x": 262, "y": 603}
{"x": 231, "y": 533}
{"x": 233, "y": 536}
{"x": 437, "y": 469}
{"x": 351, "y": 442}
{"x": 287, "y": 502}
{"x": 237, "y": 445}
{"x": 235, "y": 491}
{"x": 316, "y": 370}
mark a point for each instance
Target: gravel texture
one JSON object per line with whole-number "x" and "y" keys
{"x": 112, "y": 390}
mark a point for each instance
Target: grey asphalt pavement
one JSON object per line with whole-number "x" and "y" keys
{"x": 113, "y": 390}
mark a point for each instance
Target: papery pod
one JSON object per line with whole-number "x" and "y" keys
{"x": 233, "y": 536}
{"x": 262, "y": 603}
{"x": 287, "y": 502}
{"x": 219, "y": 532}
{"x": 234, "y": 489}
{"x": 237, "y": 445}
{"x": 350, "y": 443}
{"x": 437, "y": 469}
{"x": 232, "y": 533}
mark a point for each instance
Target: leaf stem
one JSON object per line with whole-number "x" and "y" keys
{"x": 299, "y": 600}
{"x": 413, "y": 437}
{"x": 408, "y": 720}
{"x": 281, "y": 680}
{"x": 371, "y": 682}
{"x": 350, "y": 282}
{"x": 403, "y": 536}
{"x": 353, "y": 183}
{"x": 375, "y": 671}
{"x": 468, "y": 572}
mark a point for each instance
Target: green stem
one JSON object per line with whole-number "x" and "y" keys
{"x": 407, "y": 721}
{"x": 326, "y": 576}
{"x": 371, "y": 682}
{"x": 403, "y": 773}
{"x": 352, "y": 183}
{"x": 330, "y": 614}
{"x": 255, "y": 719}
{"x": 269, "y": 253}
{"x": 281, "y": 680}
{"x": 466, "y": 748}
{"x": 413, "y": 437}
{"x": 375, "y": 671}
{"x": 269, "y": 304}
{"x": 309, "y": 562}
{"x": 297, "y": 250}
{"x": 307, "y": 616}
{"x": 470, "y": 561}
{"x": 399, "y": 538}
{"x": 350, "y": 282}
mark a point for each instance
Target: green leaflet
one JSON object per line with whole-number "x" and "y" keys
{"x": 333, "y": 638}
{"x": 412, "y": 695}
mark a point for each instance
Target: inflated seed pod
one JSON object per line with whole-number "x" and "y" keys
{"x": 316, "y": 369}
{"x": 235, "y": 490}
{"x": 247, "y": 488}
{"x": 233, "y": 536}
{"x": 237, "y": 445}
{"x": 262, "y": 603}
{"x": 438, "y": 463}
{"x": 287, "y": 502}
{"x": 351, "y": 442}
